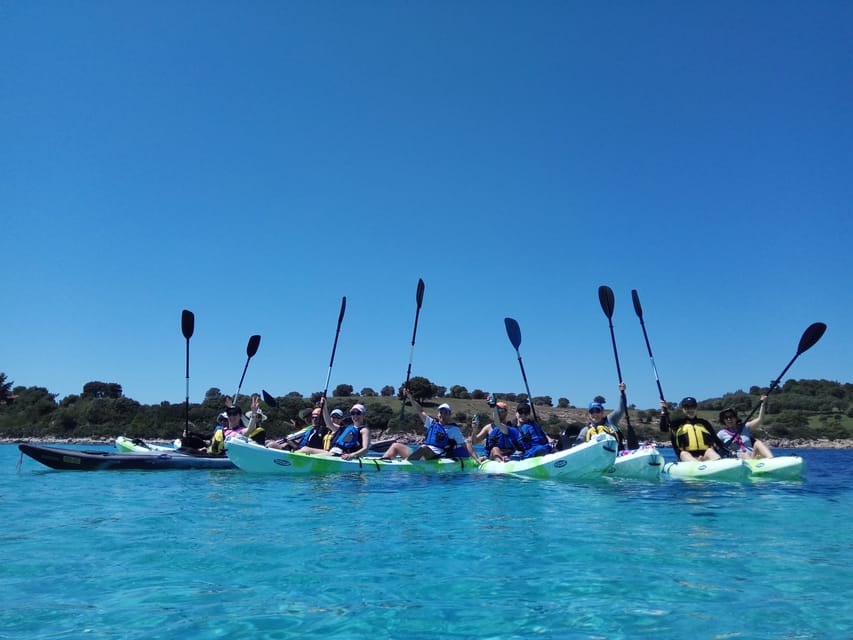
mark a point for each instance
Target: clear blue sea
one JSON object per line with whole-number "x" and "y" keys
{"x": 221, "y": 554}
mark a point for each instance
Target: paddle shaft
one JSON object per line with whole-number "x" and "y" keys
{"x": 251, "y": 349}
{"x": 605, "y": 296}
{"x": 187, "y": 328}
{"x": 335, "y": 345}
{"x": 639, "y": 309}
{"x": 419, "y": 298}
{"x": 513, "y": 332}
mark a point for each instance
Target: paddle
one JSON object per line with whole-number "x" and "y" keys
{"x": 335, "y": 345}
{"x": 513, "y": 332}
{"x": 419, "y": 297}
{"x": 809, "y": 338}
{"x": 639, "y": 309}
{"x": 251, "y": 349}
{"x": 272, "y": 402}
{"x": 605, "y": 296}
{"x": 187, "y": 327}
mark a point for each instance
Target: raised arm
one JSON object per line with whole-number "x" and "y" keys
{"x": 756, "y": 422}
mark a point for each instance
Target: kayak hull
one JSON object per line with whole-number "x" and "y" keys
{"x": 645, "y": 463}
{"x": 722, "y": 470}
{"x": 776, "y": 468}
{"x": 585, "y": 461}
{"x": 255, "y": 458}
{"x": 80, "y": 460}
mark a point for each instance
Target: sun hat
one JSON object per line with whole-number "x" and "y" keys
{"x": 728, "y": 411}
{"x": 261, "y": 415}
{"x": 358, "y": 407}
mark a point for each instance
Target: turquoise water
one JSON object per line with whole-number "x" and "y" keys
{"x": 221, "y": 554}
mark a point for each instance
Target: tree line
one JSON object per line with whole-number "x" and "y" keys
{"x": 799, "y": 409}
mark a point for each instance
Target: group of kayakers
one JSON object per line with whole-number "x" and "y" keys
{"x": 693, "y": 438}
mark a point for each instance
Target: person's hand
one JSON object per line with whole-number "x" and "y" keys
{"x": 493, "y": 402}
{"x": 621, "y": 386}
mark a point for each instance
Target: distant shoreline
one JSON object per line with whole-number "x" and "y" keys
{"x": 773, "y": 444}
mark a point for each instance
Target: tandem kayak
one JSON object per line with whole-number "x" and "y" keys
{"x": 255, "y": 458}
{"x": 589, "y": 460}
{"x": 723, "y": 470}
{"x": 81, "y": 460}
{"x": 644, "y": 463}
{"x": 776, "y": 468}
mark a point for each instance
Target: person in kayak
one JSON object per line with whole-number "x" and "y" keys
{"x": 347, "y": 441}
{"x": 503, "y": 440}
{"x": 600, "y": 422}
{"x": 444, "y": 439}
{"x": 483, "y": 434}
{"x": 737, "y": 436}
{"x": 312, "y": 437}
{"x": 253, "y": 422}
{"x": 536, "y": 441}
{"x": 693, "y": 438}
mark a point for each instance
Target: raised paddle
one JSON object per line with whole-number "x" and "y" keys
{"x": 271, "y": 401}
{"x": 187, "y": 327}
{"x": 639, "y": 309}
{"x": 605, "y": 296}
{"x": 419, "y": 298}
{"x": 251, "y": 349}
{"x": 335, "y": 345}
{"x": 513, "y": 332}
{"x": 810, "y": 336}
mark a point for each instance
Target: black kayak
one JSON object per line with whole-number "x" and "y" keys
{"x": 80, "y": 460}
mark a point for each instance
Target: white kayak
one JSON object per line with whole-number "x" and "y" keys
{"x": 256, "y": 458}
{"x": 776, "y": 468}
{"x": 585, "y": 461}
{"x": 723, "y": 470}
{"x": 645, "y": 463}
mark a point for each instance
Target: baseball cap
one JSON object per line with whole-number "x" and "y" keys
{"x": 337, "y": 413}
{"x": 444, "y": 407}
{"x": 523, "y": 407}
{"x": 689, "y": 401}
{"x": 596, "y": 405}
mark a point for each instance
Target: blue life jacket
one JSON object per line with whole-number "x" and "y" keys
{"x": 436, "y": 435}
{"x": 501, "y": 440}
{"x": 348, "y": 439}
{"x": 532, "y": 435}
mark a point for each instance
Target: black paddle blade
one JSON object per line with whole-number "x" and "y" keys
{"x": 605, "y": 296}
{"x": 187, "y": 323}
{"x": 252, "y": 347}
{"x": 637, "y": 306}
{"x": 513, "y": 332}
{"x": 343, "y": 309}
{"x": 419, "y": 296}
{"x": 272, "y": 402}
{"x": 811, "y": 336}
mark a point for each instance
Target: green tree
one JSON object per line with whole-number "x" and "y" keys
{"x": 387, "y": 391}
{"x": 5, "y": 389}
{"x": 563, "y": 403}
{"x": 342, "y": 390}
{"x": 420, "y": 388}
{"x": 458, "y": 391}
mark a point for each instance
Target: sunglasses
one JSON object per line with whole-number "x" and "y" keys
{"x": 595, "y": 410}
{"x": 355, "y": 413}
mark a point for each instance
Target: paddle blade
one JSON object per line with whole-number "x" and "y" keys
{"x": 605, "y": 297}
{"x": 252, "y": 347}
{"x": 187, "y": 323}
{"x": 513, "y": 332}
{"x": 272, "y": 402}
{"x": 811, "y": 336}
{"x": 419, "y": 296}
{"x": 637, "y": 306}
{"x": 343, "y": 309}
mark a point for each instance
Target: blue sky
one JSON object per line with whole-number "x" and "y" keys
{"x": 255, "y": 162}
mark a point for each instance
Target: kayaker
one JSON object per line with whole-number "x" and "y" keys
{"x": 444, "y": 439}
{"x": 536, "y": 441}
{"x": 312, "y": 437}
{"x": 737, "y": 436}
{"x": 693, "y": 438}
{"x": 503, "y": 440}
{"x": 483, "y": 434}
{"x": 599, "y": 422}
{"x": 254, "y": 421}
{"x": 347, "y": 441}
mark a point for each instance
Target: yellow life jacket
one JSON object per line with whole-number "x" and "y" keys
{"x": 594, "y": 429}
{"x": 217, "y": 443}
{"x": 693, "y": 437}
